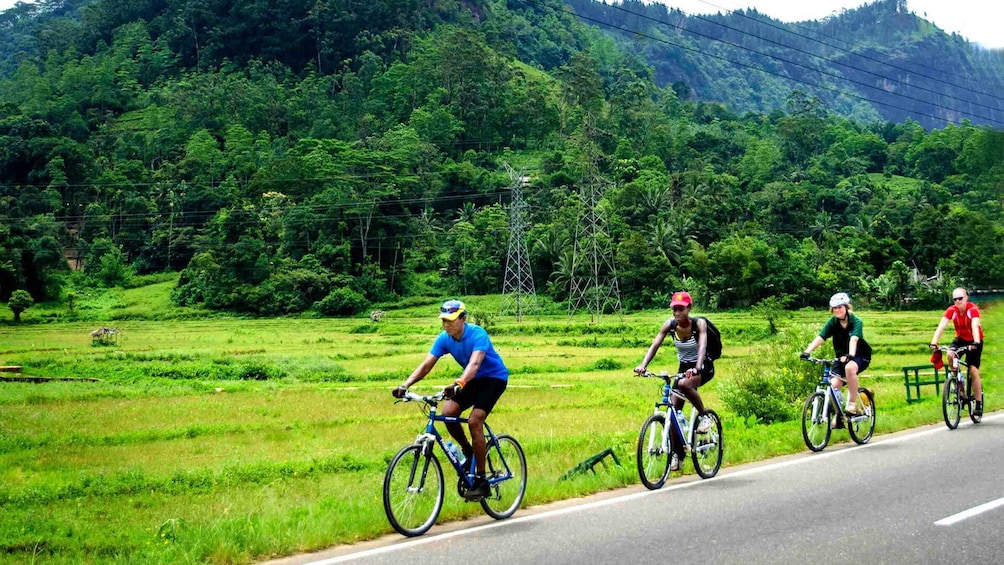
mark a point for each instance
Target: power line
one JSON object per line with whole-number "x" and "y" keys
{"x": 753, "y": 67}
{"x": 742, "y": 14}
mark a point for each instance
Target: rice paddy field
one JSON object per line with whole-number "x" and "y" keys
{"x": 226, "y": 440}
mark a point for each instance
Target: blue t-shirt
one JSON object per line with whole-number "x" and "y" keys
{"x": 474, "y": 338}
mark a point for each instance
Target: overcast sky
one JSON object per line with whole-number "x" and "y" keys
{"x": 979, "y": 21}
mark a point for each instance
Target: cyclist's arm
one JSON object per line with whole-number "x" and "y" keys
{"x": 852, "y": 346}
{"x": 423, "y": 369}
{"x": 815, "y": 343}
{"x": 654, "y": 348}
{"x": 941, "y": 328}
{"x": 471, "y": 370}
{"x": 976, "y": 329}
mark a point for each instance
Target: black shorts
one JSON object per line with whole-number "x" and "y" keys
{"x": 838, "y": 367}
{"x": 481, "y": 393}
{"x": 972, "y": 357}
{"x": 707, "y": 372}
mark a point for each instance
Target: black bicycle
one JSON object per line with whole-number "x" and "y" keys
{"x": 824, "y": 404}
{"x": 958, "y": 392}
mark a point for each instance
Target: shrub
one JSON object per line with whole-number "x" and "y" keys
{"x": 771, "y": 385}
{"x": 343, "y": 302}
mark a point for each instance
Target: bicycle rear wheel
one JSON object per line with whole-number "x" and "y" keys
{"x": 951, "y": 404}
{"x": 653, "y": 459}
{"x": 862, "y": 427}
{"x": 815, "y": 423}
{"x": 976, "y": 418}
{"x": 413, "y": 491}
{"x": 708, "y": 447}
{"x": 505, "y": 463}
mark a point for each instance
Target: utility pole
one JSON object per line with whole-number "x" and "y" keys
{"x": 594, "y": 278}
{"x": 518, "y": 293}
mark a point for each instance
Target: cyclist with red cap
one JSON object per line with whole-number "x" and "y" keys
{"x": 690, "y": 336}
{"x": 965, "y": 316}
{"x": 482, "y": 382}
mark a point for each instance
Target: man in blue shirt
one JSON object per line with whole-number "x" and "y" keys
{"x": 482, "y": 382}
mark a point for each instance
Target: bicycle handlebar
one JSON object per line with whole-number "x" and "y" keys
{"x": 429, "y": 399}
{"x": 947, "y": 348}
{"x": 820, "y": 361}
{"x": 670, "y": 379}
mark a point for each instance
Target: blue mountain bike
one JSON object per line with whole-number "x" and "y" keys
{"x": 413, "y": 488}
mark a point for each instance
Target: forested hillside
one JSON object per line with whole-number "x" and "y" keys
{"x": 877, "y": 61}
{"x": 329, "y": 155}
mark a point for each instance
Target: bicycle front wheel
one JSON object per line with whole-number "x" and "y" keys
{"x": 815, "y": 423}
{"x": 652, "y": 456}
{"x": 708, "y": 447}
{"x": 505, "y": 464}
{"x": 413, "y": 491}
{"x": 862, "y": 427}
{"x": 951, "y": 404}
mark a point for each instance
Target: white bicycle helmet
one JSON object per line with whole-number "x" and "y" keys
{"x": 840, "y": 299}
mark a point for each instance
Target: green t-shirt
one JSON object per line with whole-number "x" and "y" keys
{"x": 842, "y": 336}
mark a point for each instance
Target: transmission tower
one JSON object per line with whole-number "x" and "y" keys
{"x": 594, "y": 278}
{"x": 518, "y": 294}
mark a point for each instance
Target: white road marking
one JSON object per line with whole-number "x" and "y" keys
{"x": 970, "y": 513}
{"x": 617, "y": 500}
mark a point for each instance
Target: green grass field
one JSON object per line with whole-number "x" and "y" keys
{"x": 230, "y": 440}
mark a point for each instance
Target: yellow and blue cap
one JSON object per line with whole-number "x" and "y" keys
{"x": 451, "y": 310}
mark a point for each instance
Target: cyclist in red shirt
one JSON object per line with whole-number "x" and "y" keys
{"x": 965, "y": 316}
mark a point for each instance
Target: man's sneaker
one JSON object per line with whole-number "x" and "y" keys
{"x": 852, "y": 410}
{"x": 704, "y": 425}
{"x": 674, "y": 462}
{"x": 978, "y": 411}
{"x": 478, "y": 490}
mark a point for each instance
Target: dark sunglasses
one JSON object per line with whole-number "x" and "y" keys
{"x": 448, "y": 310}
{"x": 958, "y": 298}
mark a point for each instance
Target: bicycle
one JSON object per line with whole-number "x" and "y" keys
{"x": 655, "y": 441}
{"x": 413, "y": 487}
{"x": 825, "y": 403}
{"x": 958, "y": 391}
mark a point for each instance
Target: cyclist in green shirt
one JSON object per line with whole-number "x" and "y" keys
{"x": 852, "y": 351}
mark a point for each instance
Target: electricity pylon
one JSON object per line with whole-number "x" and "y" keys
{"x": 518, "y": 294}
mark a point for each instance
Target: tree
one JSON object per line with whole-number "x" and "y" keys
{"x": 20, "y": 301}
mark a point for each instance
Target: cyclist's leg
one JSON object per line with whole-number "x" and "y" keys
{"x": 484, "y": 393}
{"x": 973, "y": 358}
{"x": 453, "y": 408}
{"x": 851, "y": 376}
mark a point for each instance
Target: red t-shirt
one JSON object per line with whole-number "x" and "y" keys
{"x": 964, "y": 321}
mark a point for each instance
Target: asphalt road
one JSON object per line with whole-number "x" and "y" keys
{"x": 929, "y": 496}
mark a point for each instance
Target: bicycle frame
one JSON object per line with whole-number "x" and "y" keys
{"x": 431, "y": 436}
{"x": 830, "y": 398}
{"x": 957, "y": 362}
{"x": 669, "y": 390}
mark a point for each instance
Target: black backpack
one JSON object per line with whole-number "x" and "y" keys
{"x": 714, "y": 349}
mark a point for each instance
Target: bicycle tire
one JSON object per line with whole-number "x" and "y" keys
{"x": 653, "y": 460}
{"x": 951, "y": 404}
{"x": 862, "y": 427}
{"x": 708, "y": 447}
{"x": 506, "y": 457}
{"x": 815, "y": 432}
{"x": 413, "y": 491}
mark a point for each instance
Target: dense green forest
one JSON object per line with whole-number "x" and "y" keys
{"x": 330, "y": 155}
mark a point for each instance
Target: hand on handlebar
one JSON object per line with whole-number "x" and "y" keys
{"x": 399, "y": 392}
{"x": 804, "y": 355}
{"x": 933, "y": 346}
{"x": 640, "y": 370}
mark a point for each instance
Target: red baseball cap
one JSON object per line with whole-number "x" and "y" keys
{"x": 681, "y": 298}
